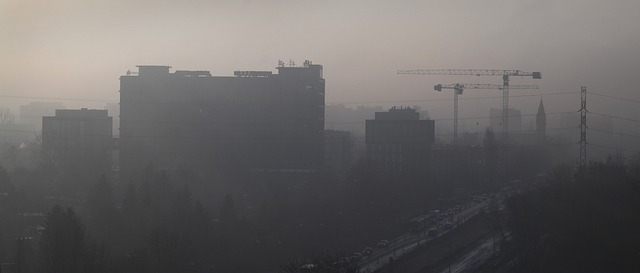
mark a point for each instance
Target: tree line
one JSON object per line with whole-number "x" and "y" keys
{"x": 580, "y": 220}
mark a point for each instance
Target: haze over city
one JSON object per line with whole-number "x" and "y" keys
{"x": 283, "y": 136}
{"x": 78, "y": 49}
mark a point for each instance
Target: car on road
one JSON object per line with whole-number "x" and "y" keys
{"x": 448, "y": 225}
{"x": 383, "y": 243}
{"x": 344, "y": 260}
{"x": 308, "y": 268}
{"x": 366, "y": 251}
{"x": 356, "y": 256}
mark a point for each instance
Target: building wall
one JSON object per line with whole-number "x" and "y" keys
{"x": 398, "y": 141}
{"x": 78, "y": 139}
{"x": 190, "y": 119}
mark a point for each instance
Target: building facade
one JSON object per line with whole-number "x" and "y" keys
{"x": 78, "y": 140}
{"x": 398, "y": 141}
{"x": 254, "y": 121}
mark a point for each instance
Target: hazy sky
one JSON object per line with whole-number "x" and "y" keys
{"x": 78, "y": 49}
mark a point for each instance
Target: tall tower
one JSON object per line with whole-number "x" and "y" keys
{"x": 541, "y": 122}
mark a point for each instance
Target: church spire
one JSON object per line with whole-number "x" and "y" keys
{"x": 541, "y": 122}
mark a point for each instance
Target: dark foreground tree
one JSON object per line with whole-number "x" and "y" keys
{"x": 589, "y": 224}
{"x": 63, "y": 242}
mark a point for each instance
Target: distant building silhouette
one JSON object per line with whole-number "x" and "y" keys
{"x": 254, "y": 121}
{"x": 79, "y": 140}
{"x": 343, "y": 118}
{"x": 398, "y": 141}
{"x": 33, "y": 112}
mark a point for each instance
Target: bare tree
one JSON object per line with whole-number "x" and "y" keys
{"x": 6, "y": 117}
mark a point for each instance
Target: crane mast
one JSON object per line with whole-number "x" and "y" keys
{"x": 506, "y": 74}
{"x": 458, "y": 88}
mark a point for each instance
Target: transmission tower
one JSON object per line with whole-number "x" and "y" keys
{"x": 583, "y": 129}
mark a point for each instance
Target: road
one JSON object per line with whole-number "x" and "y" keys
{"x": 409, "y": 241}
{"x": 474, "y": 258}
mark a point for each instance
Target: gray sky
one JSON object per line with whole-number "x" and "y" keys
{"x": 78, "y": 49}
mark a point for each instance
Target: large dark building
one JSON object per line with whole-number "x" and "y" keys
{"x": 398, "y": 141}
{"x": 254, "y": 121}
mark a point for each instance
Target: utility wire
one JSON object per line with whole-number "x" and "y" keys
{"x": 615, "y": 133}
{"x": 466, "y": 118}
{"x": 614, "y": 97}
{"x": 612, "y": 116}
{"x": 613, "y": 148}
{"x": 463, "y": 98}
{"x": 57, "y": 99}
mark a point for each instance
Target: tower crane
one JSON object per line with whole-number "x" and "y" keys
{"x": 506, "y": 74}
{"x": 458, "y": 88}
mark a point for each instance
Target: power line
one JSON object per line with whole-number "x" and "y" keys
{"x": 614, "y": 133}
{"x": 616, "y": 117}
{"x": 57, "y": 99}
{"x": 613, "y": 148}
{"x": 436, "y": 100}
{"x": 347, "y": 102}
{"x": 466, "y": 118}
{"x": 614, "y": 97}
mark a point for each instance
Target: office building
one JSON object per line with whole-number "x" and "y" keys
{"x": 398, "y": 141}
{"x": 252, "y": 122}
{"x": 78, "y": 140}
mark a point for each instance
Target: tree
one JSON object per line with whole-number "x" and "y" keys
{"x": 101, "y": 208}
{"x": 42, "y": 158}
{"x": 5, "y": 180}
{"x": 228, "y": 210}
{"x": 6, "y": 117}
{"x": 183, "y": 242}
{"x": 586, "y": 225}
{"x": 63, "y": 243}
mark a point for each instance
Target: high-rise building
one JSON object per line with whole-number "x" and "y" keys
{"x": 254, "y": 121}
{"x": 398, "y": 141}
{"x": 77, "y": 140}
